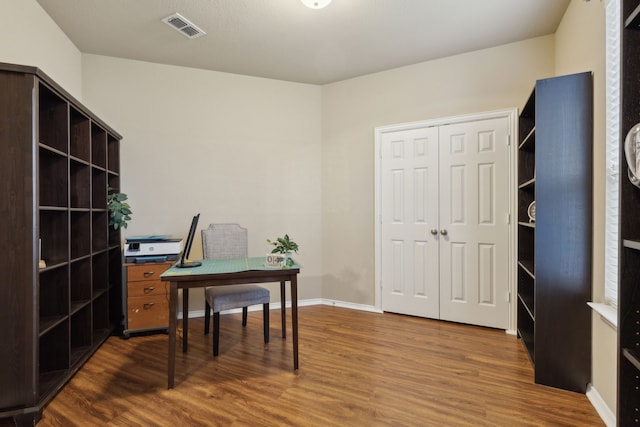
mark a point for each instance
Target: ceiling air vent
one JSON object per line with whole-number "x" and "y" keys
{"x": 182, "y": 24}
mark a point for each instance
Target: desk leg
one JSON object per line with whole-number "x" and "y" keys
{"x": 173, "y": 320}
{"x": 294, "y": 318}
{"x": 283, "y": 308}
{"x": 185, "y": 319}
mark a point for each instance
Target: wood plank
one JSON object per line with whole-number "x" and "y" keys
{"x": 356, "y": 368}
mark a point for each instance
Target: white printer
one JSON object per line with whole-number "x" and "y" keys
{"x": 143, "y": 249}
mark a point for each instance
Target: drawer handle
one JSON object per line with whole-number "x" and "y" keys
{"x": 148, "y": 305}
{"x": 149, "y": 289}
{"x": 149, "y": 273}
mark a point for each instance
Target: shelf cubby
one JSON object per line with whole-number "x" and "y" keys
{"x": 99, "y": 229}
{"x": 79, "y": 184}
{"x": 98, "y": 146}
{"x": 53, "y": 111}
{"x": 526, "y": 246}
{"x": 80, "y": 283}
{"x": 53, "y": 178}
{"x": 526, "y": 195}
{"x": 98, "y": 188}
{"x": 54, "y": 296}
{"x": 54, "y": 348}
{"x": 100, "y": 272}
{"x": 54, "y": 236}
{"x": 113, "y": 150}
{"x": 80, "y": 234}
{"x": 79, "y": 135}
{"x": 527, "y": 159}
{"x": 526, "y": 330}
{"x": 81, "y": 333}
{"x": 101, "y": 321}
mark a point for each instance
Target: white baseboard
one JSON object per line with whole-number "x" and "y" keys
{"x": 351, "y": 305}
{"x": 607, "y": 415}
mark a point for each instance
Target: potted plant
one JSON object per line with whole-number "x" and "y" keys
{"x": 284, "y": 245}
{"x": 119, "y": 209}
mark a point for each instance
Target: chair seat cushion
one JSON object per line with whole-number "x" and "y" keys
{"x": 222, "y": 298}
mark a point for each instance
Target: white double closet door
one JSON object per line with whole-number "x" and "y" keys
{"x": 444, "y": 223}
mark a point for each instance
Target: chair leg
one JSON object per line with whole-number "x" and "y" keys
{"x": 244, "y": 316}
{"x": 207, "y": 317}
{"x": 265, "y": 321}
{"x": 216, "y": 333}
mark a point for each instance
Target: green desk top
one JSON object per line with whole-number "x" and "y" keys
{"x": 220, "y": 266}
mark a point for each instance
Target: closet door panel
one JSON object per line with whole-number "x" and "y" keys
{"x": 474, "y": 189}
{"x": 409, "y": 213}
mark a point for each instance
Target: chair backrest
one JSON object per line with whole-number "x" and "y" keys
{"x": 224, "y": 241}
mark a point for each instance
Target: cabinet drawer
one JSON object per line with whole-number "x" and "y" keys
{"x": 140, "y": 272}
{"x": 148, "y": 288}
{"x": 148, "y": 312}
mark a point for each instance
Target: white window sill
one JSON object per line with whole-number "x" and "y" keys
{"x": 607, "y": 312}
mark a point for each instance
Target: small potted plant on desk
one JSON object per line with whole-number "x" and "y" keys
{"x": 284, "y": 246}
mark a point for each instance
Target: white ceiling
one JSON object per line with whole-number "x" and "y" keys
{"x": 283, "y": 39}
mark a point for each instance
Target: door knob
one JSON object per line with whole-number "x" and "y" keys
{"x": 443, "y": 231}
{"x": 434, "y": 231}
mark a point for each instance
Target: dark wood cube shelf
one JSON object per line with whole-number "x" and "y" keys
{"x": 58, "y": 159}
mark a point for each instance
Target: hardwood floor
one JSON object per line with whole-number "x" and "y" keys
{"x": 356, "y": 369}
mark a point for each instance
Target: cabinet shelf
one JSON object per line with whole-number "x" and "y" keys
{"x": 529, "y": 183}
{"x": 631, "y": 244}
{"x": 51, "y": 267}
{"x": 78, "y": 353}
{"x": 529, "y": 141}
{"x": 527, "y": 303}
{"x": 49, "y": 323}
{"x": 52, "y": 150}
{"x": 633, "y": 357}
{"x": 528, "y": 267}
{"x": 633, "y": 21}
{"x": 527, "y": 340}
{"x": 76, "y": 306}
{"x": 49, "y": 381}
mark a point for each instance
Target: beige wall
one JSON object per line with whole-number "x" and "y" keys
{"x": 486, "y": 80}
{"x": 28, "y": 36}
{"x": 233, "y": 148}
{"x": 580, "y": 46}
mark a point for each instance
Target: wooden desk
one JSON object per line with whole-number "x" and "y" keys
{"x": 225, "y": 272}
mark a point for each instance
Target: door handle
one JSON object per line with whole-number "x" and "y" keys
{"x": 443, "y": 231}
{"x": 434, "y": 231}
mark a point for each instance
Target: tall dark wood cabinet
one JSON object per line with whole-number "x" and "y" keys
{"x": 629, "y": 277}
{"x": 56, "y": 161}
{"x": 554, "y": 247}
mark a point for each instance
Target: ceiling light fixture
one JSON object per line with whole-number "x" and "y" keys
{"x": 316, "y": 4}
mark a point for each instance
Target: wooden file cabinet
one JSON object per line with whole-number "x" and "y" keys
{"x": 147, "y": 299}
